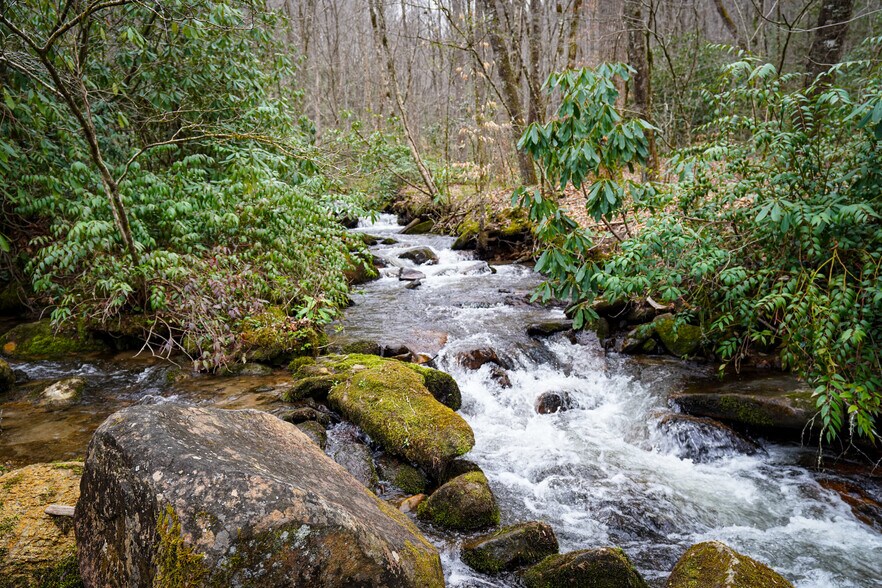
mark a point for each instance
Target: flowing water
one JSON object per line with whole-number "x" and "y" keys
{"x": 602, "y": 473}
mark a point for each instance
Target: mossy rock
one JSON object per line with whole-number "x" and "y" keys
{"x": 315, "y": 431}
{"x": 420, "y": 228}
{"x": 681, "y": 340}
{"x": 317, "y": 387}
{"x": 465, "y": 503}
{"x": 404, "y": 476}
{"x": 605, "y": 567}
{"x": 7, "y": 377}
{"x": 716, "y": 565}
{"x": 441, "y": 384}
{"x": 510, "y": 548}
{"x": 274, "y": 338}
{"x": 389, "y": 400}
{"x": 788, "y": 413}
{"x": 39, "y": 340}
{"x": 362, "y": 346}
{"x": 458, "y": 467}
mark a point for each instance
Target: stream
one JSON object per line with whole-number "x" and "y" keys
{"x": 600, "y": 474}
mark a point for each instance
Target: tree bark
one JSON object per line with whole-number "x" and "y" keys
{"x": 511, "y": 94}
{"x": 378, "y": 22}
{"x": 829, "y": 39}
{"x": 640, "y": 59}
{"x": 573, "y": 45}
{"x": 730, "y": 24}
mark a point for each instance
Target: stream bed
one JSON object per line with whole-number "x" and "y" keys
{"x": 602, "y": 473}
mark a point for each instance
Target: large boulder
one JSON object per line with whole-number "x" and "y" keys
{"x": 7, "y": 377}
{"x": 391, "y": 401}
{"x": 465, "y": 503}
{"x": 473, "y": 359}
{"x": 39, "y": 340}
{"x": 715, "y": 565}
{"x": 36, "y": 547}
{"x": 420, "y": 255}
{"x": 704, "y": 440}
{"x": 788, "y": 412}
{"x": 185, "y": 496}
{"x": 679, "y": 339}
{"x": 605, "y": 567}
{"x": 510, "y": 548}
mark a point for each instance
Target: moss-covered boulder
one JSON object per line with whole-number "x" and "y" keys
{"x": 715, "y": 565}
{"x": 510, "y": 548}
{"x": 679, "y": 339}
{"x": 403, "y": 476}
{"x": 417, "y": 227}
{"x": 177, "y": 496}
{"x": 420, "y": 255}
{"x": 605, "y": 567}
{"x": 40, "y": 341}
{"x": 274, "y": 338}
{"x": 786, "y": 412}
{"x": 315, "y": 431}
{"x": 7, "y": 377}
{"x": 38, "y": 549}
{"x": 394, "y": 403}
{"x": 465, "y": 503}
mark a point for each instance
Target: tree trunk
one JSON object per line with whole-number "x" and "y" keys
{"x": 640, "y": 60}
{"x": 730, "y": 24}
{"x": 829, "y": 39}
{"x": 378, "y": 22}
{"x": 511, "y": 94}
{"x": 573, "y": 46}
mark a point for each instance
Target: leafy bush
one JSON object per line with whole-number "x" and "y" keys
{"x": 771, "y": 238}
{"x": 229, "y": 202}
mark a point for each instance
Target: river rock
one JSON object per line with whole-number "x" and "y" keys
{"x": 465, "y": 503}
{"x": 411, "y": 503}
{"x": 865, "y": 503}
{"x": 7, "y": 376}
{"x": 548, "y": 328}
{"x": 403, "y": 475}
{"x": 63, "y": 393}
{"x": 473, "y": 359}
{"x": 358, "y": 461}
{"x": 703, "y": 440}
{"x": 604, "y": 567}
{"x": 35, "y": 545}
{"x": 420, "y": 255}
{"x": 363, "y": 346}
{"x": 418, "y": 227}
{"x": 510, "y": 548}
{"x": 458, "y": 467}
{"x": 315, "y": 431}
{"x": 714, "y": 564}
{"x": 186, "y": 496}
{"x": 500, "y": 376}
{"x": 680, "y": 340}
{"x": 249, "y": 368}
{"x": 441, "y": 385}
{"x": 784, "y": 412}
{"x": 306, "y": 413}
{"x": 551, "y": 402}
{"x": 410, "y": 275}
{"x": 40, "y": 341}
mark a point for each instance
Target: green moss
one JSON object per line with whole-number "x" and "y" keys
{"x": 510, "y": 547}
{"x": 607, "y": 567}
{"x": 363, "y": 347}
{"x": 12, "y": 482}
{"x": 465, "y": 503}
{"x": 390, "y": 402}
{"x": 39, "y": 340}
{"x": 715, "y": 564}
{"x": 744, "y": 411}
{"x": 64, "y": 574}
{"x": 7, "y": 377}
{"x": 681, "y": 340}
{"x": 316, "y": 387}
{"x": 178, "y": 565}
{"x": 298, "y": 363}
{"x": 426, "y": 565}
{"x": 441, "y": 384}
{"x": 420, "y": 228}
{"x": 274, "y": 338}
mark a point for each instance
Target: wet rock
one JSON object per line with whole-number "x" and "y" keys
{"x": 411, "y": 503}
{"x": 315, "y": 431}
{"x": 388, "y": 241}
{"x": 358, "y": 461}
{"x": 272, "y": 338}
{"x": 465, "y": 503}
{"x": 704, "y": 440}
{"x": 364, "y": 346}
{"x": 63, "y": 393}
{"x": 316, "y": 387}
{"x": 604, "y": 567}
{"x": 39, "y": 340}
{"x": 458, "y": 467}
{"x": 418, "y": 227}
{"x": 7, "y": 376}
{"x": 473, "y": 359}
{"x": 391, "y": 402}
{"x": 548, "y": 328}
{"x": 500, "y": 376}
{"x": 35, "y": 545}
{"x": 716, "y": 564}
{"x": 614, "y": 309}
{"x": 865, "y": 506}
{"x": 638, "y": 340}
{"x": 348, "y": 221}
{"x": 402, "y": 475}
{"x": 510, "y": 548}
{"x": 441, "y": 385}
{"x": 680, "y": 340}
{"x": 247, "y": 369}
{"x": 410, "y": 275}
{"x": 306, "y": 413}
{"x": 414, "y": 284}
{"x": 420, "y": 255}
{"x": 177, "y": 496}
{"x": 551, "y": 402}
{"x": 784, "y": 412}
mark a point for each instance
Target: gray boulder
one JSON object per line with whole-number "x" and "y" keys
{"x": 177, "y": 495}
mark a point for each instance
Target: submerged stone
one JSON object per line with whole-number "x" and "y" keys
{"x": 605, "y": 567}
{"x": 465, "y": 503}
{"x": 715, "y": 565}
{"x": 35, "y": 545}
{"x": 551, "y": 402}
{"x": 703, "y": 440}
{"x": 39, "y": 340}
{"x": 358, "y": 461}
{"x": 510, "y": 548}
{"x": 420, "y": 255}
{"x": 186, "y": 496}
